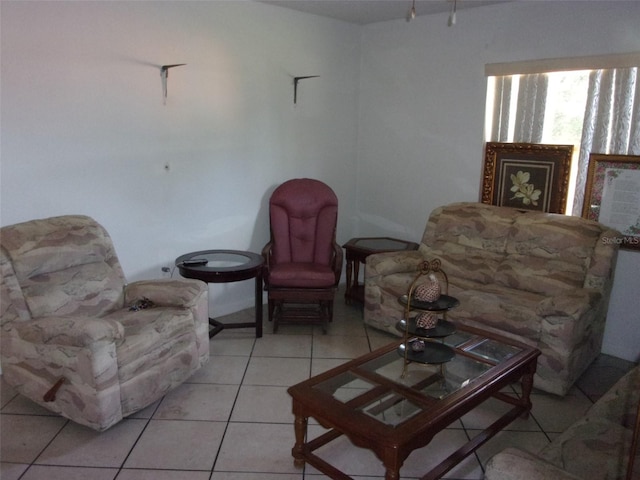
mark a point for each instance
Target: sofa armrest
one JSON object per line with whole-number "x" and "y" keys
{"x": 602, "y": 264}
{"x": 69, "y": 331}
{"x": 166, "y": 292}
{"x": 574, "y": 303}
{"x": 515, "y": 464}
{"x": 393, "y": 262}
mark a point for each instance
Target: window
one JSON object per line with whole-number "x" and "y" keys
{"x": 561, "y": 102}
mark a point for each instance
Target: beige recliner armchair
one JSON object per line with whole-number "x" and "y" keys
{"x": 79, "y": 341}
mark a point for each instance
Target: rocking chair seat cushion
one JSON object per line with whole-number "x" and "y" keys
{"x": 302, "y": 275}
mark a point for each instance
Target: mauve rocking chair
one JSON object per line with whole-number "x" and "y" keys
{"x": 303, "y": 262}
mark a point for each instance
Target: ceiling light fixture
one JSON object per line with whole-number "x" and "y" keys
{"x": 412, "y": 13}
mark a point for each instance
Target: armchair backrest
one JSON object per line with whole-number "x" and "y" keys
{"x": 303, "y": 214}
{"x": 59, "y": 266}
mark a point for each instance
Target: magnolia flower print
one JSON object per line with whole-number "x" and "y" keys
{"x": 524, "y": 190}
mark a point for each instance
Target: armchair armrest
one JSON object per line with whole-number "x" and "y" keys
{"x": 166, "y": 292}
{"x": 515, "y": 464}
{"x": 392, "y": 262}
{"x": 573, "y": 303}
{"x": 70, "y": 331}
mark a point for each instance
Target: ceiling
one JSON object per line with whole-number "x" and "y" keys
{"x": 363, "y": 12}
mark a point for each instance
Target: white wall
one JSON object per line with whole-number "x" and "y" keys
{"x": 422, "y": 108}
{"x": 394, "y": 123}
{"x": 84, "y": 128}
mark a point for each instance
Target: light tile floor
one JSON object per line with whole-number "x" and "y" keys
{"x": 232, "y": 420}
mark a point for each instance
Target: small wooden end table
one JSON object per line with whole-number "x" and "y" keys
{"x": 356, "y": 252}
{"x": 224, "y": 266}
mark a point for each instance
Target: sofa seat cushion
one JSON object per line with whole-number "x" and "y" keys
{"x": 499, "y": 307}
{"x": 150, "y": 336}
{"x": 591, "y": 448}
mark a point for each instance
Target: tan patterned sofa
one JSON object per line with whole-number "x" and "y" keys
{"x": 597, "y": 446}
{"x": 67, "y": 323}
{"x": 543, "y": 279}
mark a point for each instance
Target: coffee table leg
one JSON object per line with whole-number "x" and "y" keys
{"x": 527, "y": 387}
{"x": 300, "y": 427}
{"x": 391, "y": 475}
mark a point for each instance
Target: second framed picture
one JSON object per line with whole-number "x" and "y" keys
{"x": 526, "y": 175}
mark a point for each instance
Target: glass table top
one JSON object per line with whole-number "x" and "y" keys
{"x": 223, "y": 259}
{"x": 220, "y": 260}
{"x": 365, "y": 387}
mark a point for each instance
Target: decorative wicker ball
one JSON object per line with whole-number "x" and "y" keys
{"x": 426, "y": 320}
{"x": 429, "y": 291}
{"x": 417, "y": 345}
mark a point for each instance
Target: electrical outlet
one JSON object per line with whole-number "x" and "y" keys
{"x": 166, "y": 272}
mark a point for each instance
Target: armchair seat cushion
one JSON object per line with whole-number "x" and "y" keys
{"x": 301, "y": 275}
{"x": 150, "y": 336}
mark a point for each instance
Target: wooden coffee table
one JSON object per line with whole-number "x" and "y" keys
{"x": 369, "y": 401}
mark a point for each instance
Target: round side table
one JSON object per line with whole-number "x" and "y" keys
{"x": 225, "y": 266}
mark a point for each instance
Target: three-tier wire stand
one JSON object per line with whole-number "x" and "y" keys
{"x": 435, "y": 351}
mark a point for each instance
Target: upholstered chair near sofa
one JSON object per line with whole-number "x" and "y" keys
{"x": 80, "y": 341}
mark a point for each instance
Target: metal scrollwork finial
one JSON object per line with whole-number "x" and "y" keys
{"x": 427, "y": 266}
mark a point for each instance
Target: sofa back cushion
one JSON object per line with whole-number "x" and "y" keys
{"x": 469, "y": 239}
{"x": 547, "y": 253}
{"x": 521, "y": 249}
{"x": 64, "y": 265}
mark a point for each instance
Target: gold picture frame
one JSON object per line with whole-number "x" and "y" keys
{"x": 528, "y": 176}
{"x": 612, "y": 195}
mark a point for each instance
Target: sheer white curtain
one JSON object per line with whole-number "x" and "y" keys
{"x": 530, "y": 110}
{"x": 501, "y": 109}
{"x": 532, "y": 101}
{"x": 611, "y": 121}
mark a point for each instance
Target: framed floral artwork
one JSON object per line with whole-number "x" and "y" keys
{"x": 529, "y": 176}
{"x": 612, "y": 195}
